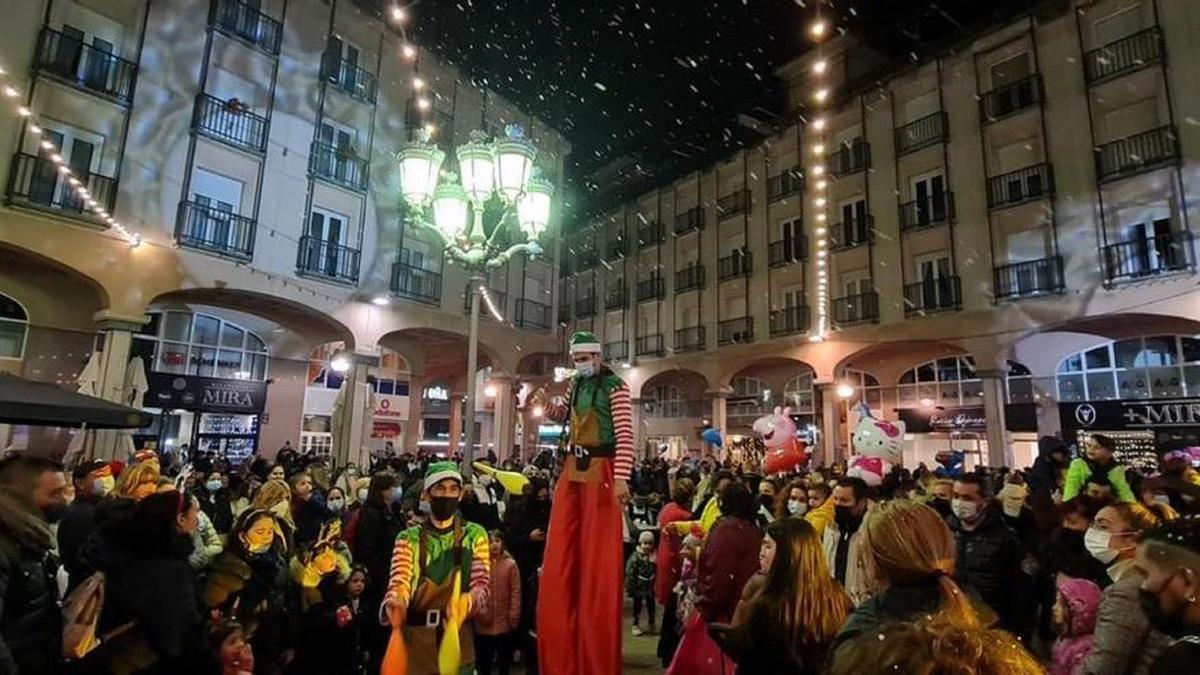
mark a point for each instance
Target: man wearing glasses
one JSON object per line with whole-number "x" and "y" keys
{"x": 579, "y": 603}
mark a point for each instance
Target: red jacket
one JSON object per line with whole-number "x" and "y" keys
{"x": 503, "y": 609}
{"x": 667, "y": 563}
{"x": 727, "y": 561}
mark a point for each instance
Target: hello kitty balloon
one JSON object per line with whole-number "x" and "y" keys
{"x": 784, "y": 451}
{"x": 877, "y": 445}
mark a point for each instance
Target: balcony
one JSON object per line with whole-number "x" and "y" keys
{"x": 936, "y": 209}
{"x": 851, "y": 233}
{"x": 416, "y": 283}
{"x": 735, "y": 331}
{"x": 67, "y": 59}
{"x": 849, "y": 159}
{"x": 215, "y": 231}
{"x": 733, "y": 204}
{"x": 586, "y": 259}
{"x": 241, "y": 21}
{"x": 1029, "y": 278}
{"x": 690, "y": 339}
{"x": 231, "y": 123}
{"x": 786, "y": 183}
{"x": 787, "y": 251}
{"x": 355, "y": 81}
{"x": 499, "y": 301}
{"x": 616, "y": 249}
{"x": 326, "y": 260}
{"x": 690, "y": 278}
{"x": 650, "y": 345}
{"x": 651, "y": 235}
{"x": 1018, "y": 187}
{"x": 1136, "y": 154}
{"x": 691, "y": 220}
{"x": 616, "y": 351}
{"x": 734, "y": 265}
{"x": 943, "y": 294}
{"x": 928, "y": 130}
{"x": 789, "y": 320}
{"x": 616, "y": 297}
{"x": 564, "y": 312}
{"x": 585, "y": 307}
{"x": 1009, "y": 99}
{"x": 37, "y": 183}
{"x": 1124, "y": 56}
{"x": 1148, "y": 257}
{"x": 532, "y": 315}
{"x": 338, "y": 165}
{"x": 651, "y": 289}
{"x": 854, "y": 309}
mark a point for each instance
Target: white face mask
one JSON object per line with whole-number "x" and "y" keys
{"x": 586, "y": 369}
{"x": 1162, "y": 499}
{"x": 1096, "y": 542}
{"x": 964, "y": 510}
{"x": 797, "y": 507}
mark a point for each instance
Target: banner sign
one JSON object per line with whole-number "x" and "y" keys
{"x": 391, "y": 407}
{"x": 205, "y": 394}
{"x": 968, "y": 419}
{"x": 1130, "y": 415}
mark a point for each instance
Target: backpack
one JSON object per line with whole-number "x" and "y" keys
{"x": 81, "y": 614}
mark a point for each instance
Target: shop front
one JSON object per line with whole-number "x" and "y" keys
{"x": 930, "y": 430}
{"x": 1143, "y": 429}
{"x": 214, "y": 415}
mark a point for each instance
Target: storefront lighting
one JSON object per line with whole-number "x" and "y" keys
{"x": 844, "y": 390}
{"x": 490, "y": 391}
{"x": 927, "y": 402}
{"x": 340, "y": 364}
{"x": 380, "y": 301}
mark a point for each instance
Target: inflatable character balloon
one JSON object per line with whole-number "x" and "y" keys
{"x": 877, "y": 445}
{"x": 784, "y": 451}
{"x": 951, "y": 463}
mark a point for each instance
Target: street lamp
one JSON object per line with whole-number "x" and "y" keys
{"x": 501, "y": 168}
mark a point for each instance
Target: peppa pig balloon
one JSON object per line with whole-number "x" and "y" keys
{"x": 877, "y": 445}
{"x": 784, "y": 451}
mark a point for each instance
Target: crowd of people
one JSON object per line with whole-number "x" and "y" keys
{"x": 1074, "y": 566}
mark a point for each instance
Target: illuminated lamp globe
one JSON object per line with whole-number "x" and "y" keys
{"x": 476, "y": 164}
{"x": 450, "y": 208}
{"x": 420, "y": 164}
{"x": 514, "y": 163}
{"x": 533, "y": 207}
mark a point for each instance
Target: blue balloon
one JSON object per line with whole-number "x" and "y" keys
{"x": 712, "y": 436}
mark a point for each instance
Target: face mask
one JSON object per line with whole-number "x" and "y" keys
{"x": 54, "y": 513}
{"x": 213, "y": 485}
{"x": 443, "y": 508}
{"x": 1152, "y": 608}
{"x": 424, "y": 508}
{"x": 362, "y": 495}
{"x": 336, "y": 505}
{"x": 1165, "y": 500}
{"x": 586, "y": 369}
{"x": 797, "y": 507}
{"x": 964, "y": 510}
{"x": 1096, "y": 542}
{"x": 845, "y": 518}
{"x": 766, "y": 501}
{"x": 102, "y": 486}
{"x": 1011, "y": 510}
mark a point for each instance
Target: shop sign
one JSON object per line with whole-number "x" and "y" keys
{"x": 392, "y": 407}
{"x": 1132, "y": 415}
{"x": 970, "y": 419}
{"x": 205, "y": 394}
{"x": 385, "y": 430}
{"x": 437, "y": 393}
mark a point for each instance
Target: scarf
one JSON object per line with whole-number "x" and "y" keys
{"x": 25, "y": 527}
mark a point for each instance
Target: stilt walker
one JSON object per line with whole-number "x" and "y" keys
{"x": 579, "y": 603}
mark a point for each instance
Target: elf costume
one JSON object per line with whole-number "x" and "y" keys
{"x": 579, "y": 602}
{"x": 425, "y": 562}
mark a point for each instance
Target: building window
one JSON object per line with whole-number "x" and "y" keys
{"x": 190, "y": 343}
{"x": 665, "y": 401}
{"x": 952, "y": 381}
{"x": 1160, "y": 366}
{"x": 866, "y": 386}
{"x": 798, "y": 393}
{"x": 14, "y": 328}
{"x": 750, "y": 398}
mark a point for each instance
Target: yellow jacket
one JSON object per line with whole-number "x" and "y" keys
{"x": 821, "y": 516}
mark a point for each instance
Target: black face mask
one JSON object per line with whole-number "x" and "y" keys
{"x": 845, "y": 518}
{"x": 942, "y": 506}
{"x": 443, "y": 508}
{"x": 1154, "y": 614}
{"x": 767, "y": 501}
{"x": 54, "y": 513}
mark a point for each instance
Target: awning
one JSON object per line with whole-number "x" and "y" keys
{"x": 47, "y": 404}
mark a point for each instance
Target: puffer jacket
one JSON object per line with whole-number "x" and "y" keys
{"x": 1082, "y": 599}
{"x": 989, "y": 560}
{"x": 502, "y": 612}
{"x": 30, "y": 619}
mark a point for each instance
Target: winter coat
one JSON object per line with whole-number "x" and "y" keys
{"x": 759, "y": 647}
{"x": 252, "y": 589}
{"x": 858, "y": 578}
{"x": 206, "y": 544}
{"x": 330, "y": 627}
{"x": 639, "y": 575}
{"x": 373, "y": 540}
{"x": 900, "y": 602}
{"x": 1081, "y": 470}
{"x": 1063, "y": 553}
{"x": 729, "y": 558}
{"x": 30, "y": 619}
{"x": 1082, "y": 599}
{"x": 217, "y": 507}
{"x": 1123, "y": 643}
{"x": 1180, "y": 658}
{"x": 309, "y": 515}
{"x": 989, "y": 560}
{"x": 666, "y": 572}
{"x": 74, "y": 529}
{"x": 525, "y": 515}
{"x": 502, "y": 612}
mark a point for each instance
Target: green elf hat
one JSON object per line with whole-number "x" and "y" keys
{"x": 585, "y": 341}
{"x": 440, "y": 471}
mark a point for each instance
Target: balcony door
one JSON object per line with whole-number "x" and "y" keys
{"x": 81, "y": 152}
{"x": 854, "y": 222}
{"x": 933, "y": 272}
{"x": 219, "y": 199}
{"x": 327, "y": 241}
{"x": 339, "y": 147}
{"x": 856, "y": 283}
{"x": 1010, "y": 70}
{"x": 343, "y": 58}
{"x": 1149, "y": 246}
{"x": 793, "y": 233}
{"x": 1123, "y": 23}
{"x": 929, "y": 191}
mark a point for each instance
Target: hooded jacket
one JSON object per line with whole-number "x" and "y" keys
{"x": 1082, "y": 598}
{"x": 30, "y": 619}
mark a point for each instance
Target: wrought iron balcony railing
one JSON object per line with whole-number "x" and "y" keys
{"x": 616, "y": 296}
{"x": 735, "y": 331}
{"x": 1018, "y": 187}
{"x": 349, "y": 77}
{"x": 616, "y": 351}
{"x": 928, "y": 130}
{"x": 689, "y": 278}
{"x": 1028, "y": 278}
{"x": 785, "y": 183}
{"x": 854, "y": 309}
{"x": 416, "y": 283}
{"x": 935, "y": 209}
{"x": 1147, "y": 257}
{"x": 850, "y": 158}
{"x": 733, "y": 204}
{"x": 789, "y": 320}
{"x": 942, "y": 294}
{"x": 653, "y": 288}
{"x": 691, "y": 220}
{"x": 36, "y": 181}
{"x": 736, "y": 264}
{"x": 339, "y": 165}
{"x": 67, "y": 58}
{"x": 787, "y": 251}
{"x": 690, "y": 339}
{"x": 1126, "y": 55}
{"x": 650, "y": 345}
{"x": 245, "y": 22}
{"x": 499, "y": 301}
{"x": 851, "y": 233}
{"x": 230, "y": 122}
{"x": 214, "y": 230}
{"x": 532, "y": 314}
{"x": 1135, "y": 154}
{"x": 585, "y": 307}
{"x": 317, "y": 257}
{"x": 1010, "y": 99}
{"x": 651, "y": 235}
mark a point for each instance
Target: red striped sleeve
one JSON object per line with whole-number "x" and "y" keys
{"x": 622, "y": 418}
{"x": 481, "y": 575}
{"x": 400, "y": 579}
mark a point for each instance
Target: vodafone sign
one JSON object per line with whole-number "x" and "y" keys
{"x": 389, "y": 407}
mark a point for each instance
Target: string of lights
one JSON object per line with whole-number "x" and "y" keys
{"x": 818, "y": 31}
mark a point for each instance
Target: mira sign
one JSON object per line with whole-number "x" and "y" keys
{"x": 205, "y": 394}
{"x": 1141, "y": 414}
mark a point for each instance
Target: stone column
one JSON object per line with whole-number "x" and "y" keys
{"x": 113, "y": 348}
{"x": 355, "y": 412}
{"x": 504, "y": 414}
{"x": 416, "y": 399}
{"x": 999, "y": 450}
{"x": 639, "y": 438}
{"x": 718, "y": 418}
{"x": 456, "y": 409}
{"x": 831, "y": 431}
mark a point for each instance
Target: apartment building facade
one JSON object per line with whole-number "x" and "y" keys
{"x": 249, "y": 145}
{"x": 999, "y": 221}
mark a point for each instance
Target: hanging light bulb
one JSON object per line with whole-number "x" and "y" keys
{"x": 818, "y": 28}
{"x": 819, "y": 66}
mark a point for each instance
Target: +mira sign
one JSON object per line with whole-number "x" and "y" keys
{"x": 1141, "y": 414}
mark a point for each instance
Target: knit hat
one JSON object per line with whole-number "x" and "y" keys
{"x": 646, "y": 537}
{"x": 440, "y": 471}
{"x": 585, "y": 341}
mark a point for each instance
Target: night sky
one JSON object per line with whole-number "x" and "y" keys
{"x": 655, "y": 84}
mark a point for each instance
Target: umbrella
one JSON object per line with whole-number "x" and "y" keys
{"x": 358, "y": 455}
{"x": 89, "y": 383}
{"x": 46, "y": 404}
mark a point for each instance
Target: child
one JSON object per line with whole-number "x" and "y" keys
{"x": 639, "y": 580}
{"x": 1074, "y": 617}
{"x": 1100, "y": 467}
{"x": 236, "y": 656}
{"x": 496, "y": 624}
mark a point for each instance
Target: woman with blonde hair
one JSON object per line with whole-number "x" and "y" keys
{"x": 790, "y": 624}
{"x": 138, "y": 481}
{"x": 276, "y": 496}
{"x": 934, "y": 645}
{"x": 911, "y": 554}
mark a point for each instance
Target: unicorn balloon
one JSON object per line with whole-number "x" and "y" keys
{"x": 877, "y": 445}
{"x": 784, "y": 451}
